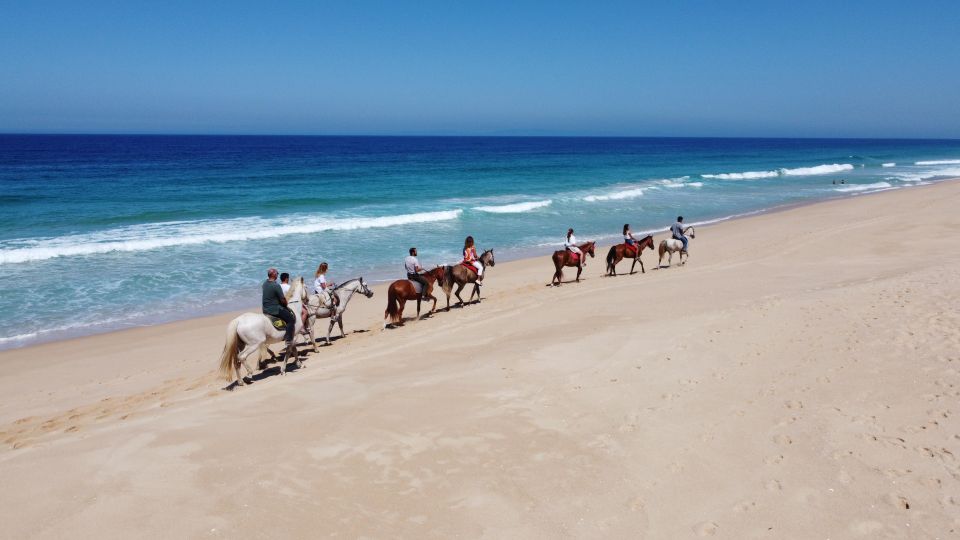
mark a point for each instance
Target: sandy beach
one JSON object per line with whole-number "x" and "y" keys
{"x": 796, "y": 379}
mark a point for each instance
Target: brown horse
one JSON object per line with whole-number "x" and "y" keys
{"x": 402, "y": 290}
{"x": 564, "y": 257}
{"x": 620, "y": 251}
{"x": 461, "y": 275}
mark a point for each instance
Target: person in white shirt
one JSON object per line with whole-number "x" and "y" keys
{"x": 285, "y": 283}
{"x": 414, "y": 271}
{"x": 325, "y": 289}
{"x": 571, "y": 244}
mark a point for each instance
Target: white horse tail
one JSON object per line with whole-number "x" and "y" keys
{"x": 228, "y": 358}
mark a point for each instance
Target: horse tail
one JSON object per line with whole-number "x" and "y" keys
{"x": 393, "y": 306}
{"x": 447, "y": 279}
{"x": 228, "y": 358}
{"x": 611, "y": 255}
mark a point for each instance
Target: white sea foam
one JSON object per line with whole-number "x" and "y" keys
{"x": 862, "y": 187}
{"x": 939, "y": 162}
{"x": 617, "y": 195}
{"x": 749, "y": 175}
{"x": 819, "y": 169}
{"x": 18, "y": 337}
{"x": 926, "y": 175}
{"x": 515, "y": 208}
{"x": 889, "y": 165}
{"x": 186, "y": 233}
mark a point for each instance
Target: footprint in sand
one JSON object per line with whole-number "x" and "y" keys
{"x": 783, "y": 440}
{"x": 706, "y": 528}
{"x": 744, "y": 506}
{"x": 897, "y": 501}
{"x": 773, "y": 460}
{"x": 773, "y": 485}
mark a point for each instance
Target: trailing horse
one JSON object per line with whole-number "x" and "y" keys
{"x": 255, "y": 331}
{"x": 620, "y": 251}
{"x": 672, "y": 245}
{"x": 316, "y": 309}
{"x": 461, "y": 274}
{"x": 565, "y": 257}
{"x": 402, "y": 290}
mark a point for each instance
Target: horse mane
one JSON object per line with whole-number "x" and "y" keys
{"x": 296, "y": 282}
{"x": 347, "y": 281}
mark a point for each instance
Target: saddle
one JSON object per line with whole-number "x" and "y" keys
{"x": 468, "y": 266}
{"x": 629, "y": 251}
{"x": 574, "y": 258}
{"x": 416, "y": 286}
{"x": 277, "y": 322}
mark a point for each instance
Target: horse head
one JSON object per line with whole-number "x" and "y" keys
{"x": 364, "y": 289}
{"x": 590, "y": 247}
{"x": 487, "y": 258}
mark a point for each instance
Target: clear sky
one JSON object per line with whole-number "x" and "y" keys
{"x": 711, "y": 68}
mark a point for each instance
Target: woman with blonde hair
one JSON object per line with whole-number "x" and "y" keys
{"x": 325, "y": 289}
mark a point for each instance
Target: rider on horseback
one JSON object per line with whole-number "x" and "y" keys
{"x": 325, "y": 290}
{"x": 470, "y": 257}
{"x": 571, "y": 245}
{"x": 628, "y": 238}
{"x": 274, "y": 303}
{"x": 414, "y": 271}
{"x": 677, "y": 230}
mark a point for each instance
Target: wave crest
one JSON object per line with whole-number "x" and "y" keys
{"x": 939, "y": 162}
{"x": 187, "y": 233}
{"x": 800, "y": 171}
{"x": 862, "y": 187}
{"x": 515, "y": 208}
{"x": 617, "y": 195}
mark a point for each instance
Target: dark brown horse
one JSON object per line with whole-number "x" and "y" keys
{"x": 565, "y": 257}
{"x": 621, "y": 251}
{"x": 402, "y": 290}
{"x": 461, "y": 275}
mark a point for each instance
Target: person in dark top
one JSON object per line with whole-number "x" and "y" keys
{"x": 677, "y": 231}
{"x": 275, "y": 304}
{"x": 414, "y": 271}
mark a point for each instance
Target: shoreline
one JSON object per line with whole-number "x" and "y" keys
{"x": 529, "y": 252}
{"x": 804, "y": 362}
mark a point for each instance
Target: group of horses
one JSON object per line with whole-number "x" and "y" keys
{"x": 252, "y": 332}
{"x": 617, "y": 253}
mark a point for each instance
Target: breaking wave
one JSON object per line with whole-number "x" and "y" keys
{"x": 617, "y": 195}
{"x": 862, "y": 187}
{"x": 939, "y": 162}
{"x": 801, "y": 171}
{"x": 186, "y": 233}
{"x": 515, "y": 208}
{"x": 889, "y": 165}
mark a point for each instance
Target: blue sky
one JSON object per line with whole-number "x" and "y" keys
{"x": 711, "y": 68}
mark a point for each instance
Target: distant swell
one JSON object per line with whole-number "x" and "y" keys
{"x": 514, "y": 208}
{"x": 862, "y": 187}
{"x": 802, "y": 171}
{"x": 939, "y": 162}
{"x": 174, "y": 234}
{"x": 889, "y": 165}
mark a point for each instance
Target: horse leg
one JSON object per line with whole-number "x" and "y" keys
{"x": 457, "y": 292}
{"x": 642, "y": 269}
{"x": 476, "y": 289}
{"x": 401, "y": 302}
{"x": 340, "y": 323}
{"x": 330, "y": 329}
{"x": 579, "y": 269}
{"x": 419, "y": 297}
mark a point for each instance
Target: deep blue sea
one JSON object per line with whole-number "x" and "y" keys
{"x": 105, "y": 232}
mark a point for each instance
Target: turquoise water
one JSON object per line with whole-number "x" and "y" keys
{"x": 106, "y": 232}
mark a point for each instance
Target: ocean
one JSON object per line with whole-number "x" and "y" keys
{"x": 99, "y": 233}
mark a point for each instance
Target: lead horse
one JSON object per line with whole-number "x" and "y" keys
{"x": 565, "y": 257}
{"x": 316, "y": 309}
{"x": 255, "y": 331}
{"x": 402, "y": 290}
{"x": 461, "y": 275}
{"x": 672, "y": 245}
{"x": 621, "y": 251}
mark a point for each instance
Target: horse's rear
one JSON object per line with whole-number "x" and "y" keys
{"x": 397, "y": 294}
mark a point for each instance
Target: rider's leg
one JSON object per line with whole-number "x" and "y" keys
{"x": 583, "y": 260}
{"x": 684, "y": 239}
{"x": 288, "y": 317}
{"x": 422, "y": 281}
{"x": 479, "y": 266}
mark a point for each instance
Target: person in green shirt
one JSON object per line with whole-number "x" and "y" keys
{"x": 275, "y": 304}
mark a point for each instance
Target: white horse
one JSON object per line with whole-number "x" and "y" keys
{"x": 672, "y": 245}
{"x": 255, "y": 331}
{"x": 316, "y": 309}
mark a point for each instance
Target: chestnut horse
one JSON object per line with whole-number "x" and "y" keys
{"x": 402, "y": 290}
{"x": 618, "y": 252}
{"x": 564, "y": 257}
{"x": 461, "y": 275}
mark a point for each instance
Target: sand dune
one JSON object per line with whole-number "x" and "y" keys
{"x": 796, "y": 379}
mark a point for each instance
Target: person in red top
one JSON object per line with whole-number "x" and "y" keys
{"x": 470, "y": 257}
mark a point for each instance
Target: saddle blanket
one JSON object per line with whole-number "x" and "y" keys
{"x": 416, "y": 286}
{"x": 574, "y": 258}
{"x": 469, "y": 266}
{"x": 277, "y": 322}
{"x": 629, "y": 251}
